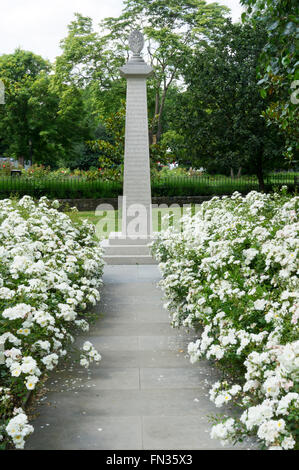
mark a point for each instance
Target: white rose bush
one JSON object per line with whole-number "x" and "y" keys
{"x": 231, "y": 274}
{"x": 50, "y": 271}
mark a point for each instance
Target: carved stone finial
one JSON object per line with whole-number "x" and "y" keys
{"x": 136, "y": 42}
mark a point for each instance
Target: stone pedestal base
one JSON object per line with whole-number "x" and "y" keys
{"x": 119, "y": 249}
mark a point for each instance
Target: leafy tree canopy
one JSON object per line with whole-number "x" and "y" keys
{"x": 221, "y": 109}
{"x": 39, "y": 121}
{"x": 278, "y": 67}
{"x": 171, "y": 30}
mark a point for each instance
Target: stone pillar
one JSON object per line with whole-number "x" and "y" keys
{"x": 130, "y": 246}
{"x": 137, "y": 185}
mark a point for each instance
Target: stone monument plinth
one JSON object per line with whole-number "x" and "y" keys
{"x": 130, "y": 246}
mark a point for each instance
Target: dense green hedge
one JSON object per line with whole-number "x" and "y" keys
{"x": 70, "y": 188}
{"x": 66, "y": 188}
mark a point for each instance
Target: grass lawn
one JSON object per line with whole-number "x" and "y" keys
{"x": 109, "y": 221}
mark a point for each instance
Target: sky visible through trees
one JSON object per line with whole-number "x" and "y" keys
{"x": 38, "y": 26}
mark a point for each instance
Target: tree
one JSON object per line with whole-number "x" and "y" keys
{"x": 92, "y": 59}
{"x": 111, "y": 147}
{"x": 18, "y": 71}
{"x": 221, "y": 109}
{"x": 91, "y": 64}
{"x": 40, "y": 121}
{"x": 171, "y": 29}
{"x": 278, "y": 66}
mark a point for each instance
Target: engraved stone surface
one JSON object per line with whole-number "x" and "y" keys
{"x": 2, "y": 92}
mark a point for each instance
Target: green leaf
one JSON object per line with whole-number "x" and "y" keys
{"x": 263, "y": 80}
{"x": 289, "y": 29}
{"x": 273, "y": 25}
{"x": 263, "y": 93}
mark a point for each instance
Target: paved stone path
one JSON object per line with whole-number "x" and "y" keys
{"x": 145, "y": 394}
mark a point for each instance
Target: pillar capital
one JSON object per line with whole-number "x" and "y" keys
{"x": 134, "y": 68}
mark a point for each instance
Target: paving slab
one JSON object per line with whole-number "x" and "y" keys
{"x": 115, "y": 343}
{"x": 94, "y": 402}
{"x": 144, "y": 359}
{"x": 171, "y": 378}
{"x": 87, "y": 432}
{"x": 145, "y": 394}
{"x": 136, "y": 302}
{"x": 176, "y": 432}
{"x": 134, "y": 328}
{"x": 174, "y": 343}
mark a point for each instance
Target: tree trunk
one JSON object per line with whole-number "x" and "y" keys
{"x": 152, "y": 136}
{"x": 21, "y": 161}
{"x": 260, "y": 177}
{"x": 159, "y": 128}
{"x": 232, "y": 173}
{"x": 259, "y": 170}
{"x": 239, "y": 172}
